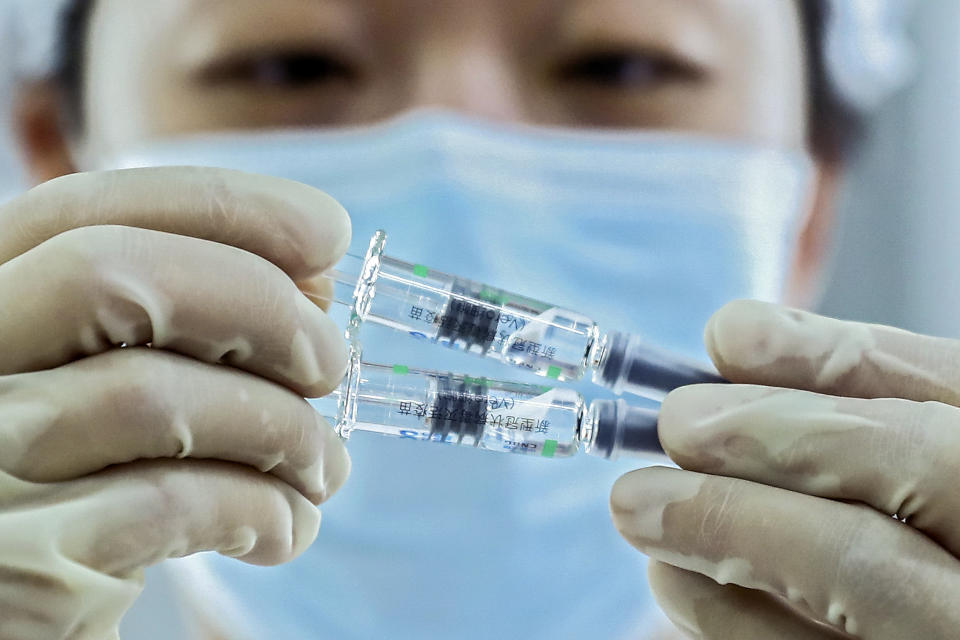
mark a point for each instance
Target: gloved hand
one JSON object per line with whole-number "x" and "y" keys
{"x": 821, "y": 504}
{"x": 113, "y": 459}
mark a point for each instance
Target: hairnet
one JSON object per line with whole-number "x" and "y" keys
{"x": 867, "y": 51}
{"x": 866, "y": 48}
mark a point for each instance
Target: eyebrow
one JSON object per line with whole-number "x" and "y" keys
{"x": 309, "y": 19}
{"x": 618, "y": 19}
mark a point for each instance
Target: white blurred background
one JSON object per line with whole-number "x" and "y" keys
{"x": 896, "y": 259}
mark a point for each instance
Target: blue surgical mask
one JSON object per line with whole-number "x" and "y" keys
{"x": 648, "y": 233}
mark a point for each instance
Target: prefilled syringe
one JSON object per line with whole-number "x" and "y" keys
{"x": 550, "y": 422}
{"x": 540, "y": 337}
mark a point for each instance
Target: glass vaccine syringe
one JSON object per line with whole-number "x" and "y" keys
{"x": 534, "y": 420}
{"x": 540, "y": 337}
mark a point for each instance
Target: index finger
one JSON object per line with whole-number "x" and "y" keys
{"x": 298, "y": 228}
{"x": 760, "y": 343}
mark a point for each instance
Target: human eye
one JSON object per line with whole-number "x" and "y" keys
{"x": 292, "y": 69}
{"x": 626, "y": 69}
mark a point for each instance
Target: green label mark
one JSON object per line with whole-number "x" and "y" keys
{"x": 493, "y": 295}
{"x": 401, "y": 369}
{"x": 554, "y": 372}
{"x": 420, "y": 270}
{"x": 549, "y": 448}
{"x": 481, "y": 382}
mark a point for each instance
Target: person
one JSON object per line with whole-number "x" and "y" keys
{"x": 157, "y": 345}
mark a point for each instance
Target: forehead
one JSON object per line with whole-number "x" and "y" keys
{"x": 413, "y": 16}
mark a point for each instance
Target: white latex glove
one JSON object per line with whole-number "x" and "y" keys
{"x": 113, "y": 459}
{"x": 781, "y": 525}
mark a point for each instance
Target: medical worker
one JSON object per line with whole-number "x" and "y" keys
{"x": 646, "y": 160}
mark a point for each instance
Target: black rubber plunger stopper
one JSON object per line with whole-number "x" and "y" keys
{"x": 465, "y": 321}
{"x": 459, "y": 409}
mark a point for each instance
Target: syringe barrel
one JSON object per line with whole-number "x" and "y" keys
{"x": 471, "y": 316}
{"x": 629, "y": 364}
{"x": 614, "y": 428}
{"x": 426, "y": 405}
{"x": 474, "y": 317}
